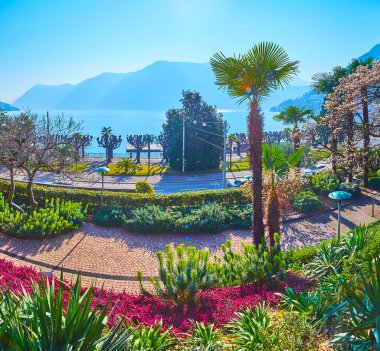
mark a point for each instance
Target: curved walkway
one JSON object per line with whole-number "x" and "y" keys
{"x": 112, "y": 256}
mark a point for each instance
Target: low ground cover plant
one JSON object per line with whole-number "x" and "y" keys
{"x": 324, "y": 182}
{"x": 56, "y": 217}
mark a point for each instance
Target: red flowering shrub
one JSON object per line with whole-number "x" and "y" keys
{"x": 213, "y": 306}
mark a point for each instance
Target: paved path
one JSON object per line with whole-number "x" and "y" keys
{"x": 112, "y": 256}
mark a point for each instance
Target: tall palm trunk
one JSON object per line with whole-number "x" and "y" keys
{"x": 255, "y": 137}
{"x": 273, "y": 215}
{"x": 296, "y": 138}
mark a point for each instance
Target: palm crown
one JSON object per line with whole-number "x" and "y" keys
{"x": 264, "y": 68}
{"x": 293, "y": 115}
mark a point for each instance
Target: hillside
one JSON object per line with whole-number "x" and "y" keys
{"x": 6, "y": 107}
{"x": 314, "y": 101}
{"x": 155, "y": 87}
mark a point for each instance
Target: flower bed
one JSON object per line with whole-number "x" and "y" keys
{"x": 213, "y": 306}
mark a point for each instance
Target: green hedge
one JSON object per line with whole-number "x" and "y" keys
{"x": 123, "y": 199}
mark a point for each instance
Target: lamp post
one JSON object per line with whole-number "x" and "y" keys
{"x": 102, "y": 170}
{"x": 339, "y": 196}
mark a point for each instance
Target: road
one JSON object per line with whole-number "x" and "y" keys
{"x": 162, "y": 184}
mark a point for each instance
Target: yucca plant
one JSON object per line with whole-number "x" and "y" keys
{"x": 183, "y": 273}
{"x": 361, "y": 322}
{"x": 42, "y": 320}
{"x": 308, "y": 303}
{"x": 150, "y": 338}
{"x": 203, "y": 338}
{"x": 252, "y": 330}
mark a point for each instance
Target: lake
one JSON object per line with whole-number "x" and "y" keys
{"x": 125, "y": 122}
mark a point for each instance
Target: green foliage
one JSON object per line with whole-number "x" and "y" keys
{"x": 109, "y": 217}
{"x": 361, "y": 322}
{"x": 92, "y": 198}
{"x": 374, "y": 182}
{"x": 324, "y": 182}
{"x": 149, "y": 219}
{"x": 319, "y": 155}
{"x": 183, "y": 273}
{"x": 240, "y": 216}
{"x": 57, "y": 217}
{"x": 253, "y": 330}
{"x": 152, "y": 338}
{"x": 306, "y": 201}
{"x": 352, "y": 188}
{"x": 203, "y": 136}
{"x": 128, "y": 166}
{"x": 254, "y": 263}
{"x": 143, "y": 187}
{"x": 41, "y": 320}
{"x": 204, "y": 337}
{"x": 207, "y": 218}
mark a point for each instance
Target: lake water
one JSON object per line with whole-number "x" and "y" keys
{"x": 125, "y": 122}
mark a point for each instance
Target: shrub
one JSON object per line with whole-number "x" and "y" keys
{"x": 150, "y": 219}
{"x": 143, "y": 187}
{"x": 109, "y": 217}
{"x": 183, "y": 276}
{"x": 352, "y": 188}
{"x": 323, "y": 183}
{"x": 57, "y": 217}
{"x": 92, "y": 198}
{"x": 374, "y": 182}
{"x": 240, "y": 216}
{"x": 306, "y": 201}
{"x": 210, "y": 217}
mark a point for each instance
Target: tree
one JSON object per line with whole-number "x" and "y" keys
{"x": 277, "y": 165}
{"x": 161, "y": 139}
{"x": 230, "y": 141}
{"x": 294, "y": 116}
{"x": 35, "y": 143}
{"x": 352, "y": 106}
{"x": 108, "y": 141}
{"x": 138, "y": 142}
{"x": 203, "y": 134}
{"x": 149, "y": 139}
{"x": 253, "y": 76}
{"x": 81, "y": 142}
{"x": 241, "y": 140}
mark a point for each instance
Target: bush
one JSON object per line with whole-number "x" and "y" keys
{"x": 352, "y": 188}
{"x": 57, "y": 217}
{"x": 92, "y": 198}
{"x": 143, "y": 187}
{"x": 374, "y": 183}
{"x": 109, "y": 217}
{"x": 306, "y": 201}
{"x": 207, "y": 218}
{"x": 240, "y": 216}
{"x": 323, "y": 183}
{"x": 150, "y": 219}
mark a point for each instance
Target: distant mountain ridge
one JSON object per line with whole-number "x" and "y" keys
{"x": 7, "y": 107}
{"x": 313, "y": 100}
{"x": 155, "y": 87}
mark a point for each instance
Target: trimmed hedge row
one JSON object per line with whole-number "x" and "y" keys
{"x": 92, "y": 198}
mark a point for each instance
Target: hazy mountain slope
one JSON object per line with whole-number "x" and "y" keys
{"x": 314, "y": 101}
{"x": 43, "y": 96}
{"x": 87, "y": 94}
{"x": 6, "y": 107}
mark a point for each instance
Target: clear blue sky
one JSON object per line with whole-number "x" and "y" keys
{"x": 59, "y": 41}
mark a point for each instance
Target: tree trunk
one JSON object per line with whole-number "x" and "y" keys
{"x": 366, "y": 138}
{"x": 138, "y": 151}
{"x": 296, "y": 138}
{"x": 255, "y": 136}
{"x": 12, "y": 191}
{"x": 350, "y": 146}
{"x": 273, "y": 215}
{"x": 238, "y": 148}
{"x": 32, "y": 202}
{"x": 334, "y": 147}
{"x": 148, "y": 158}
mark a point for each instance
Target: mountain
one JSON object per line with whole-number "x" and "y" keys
{"x": 156, "y": 87}
{"x": 314, "y": 101}
{"x": 6, "y": 107}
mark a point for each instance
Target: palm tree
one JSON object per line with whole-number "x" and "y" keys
{"x": 253, "y": 76}
{"x": 277, "y": 165}
{"x": 149, "y": 139}
{"x": 230, "y": 141}
{"x": 292, "y": 115}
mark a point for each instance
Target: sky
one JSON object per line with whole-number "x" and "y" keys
{"x": 67, "y": 41}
